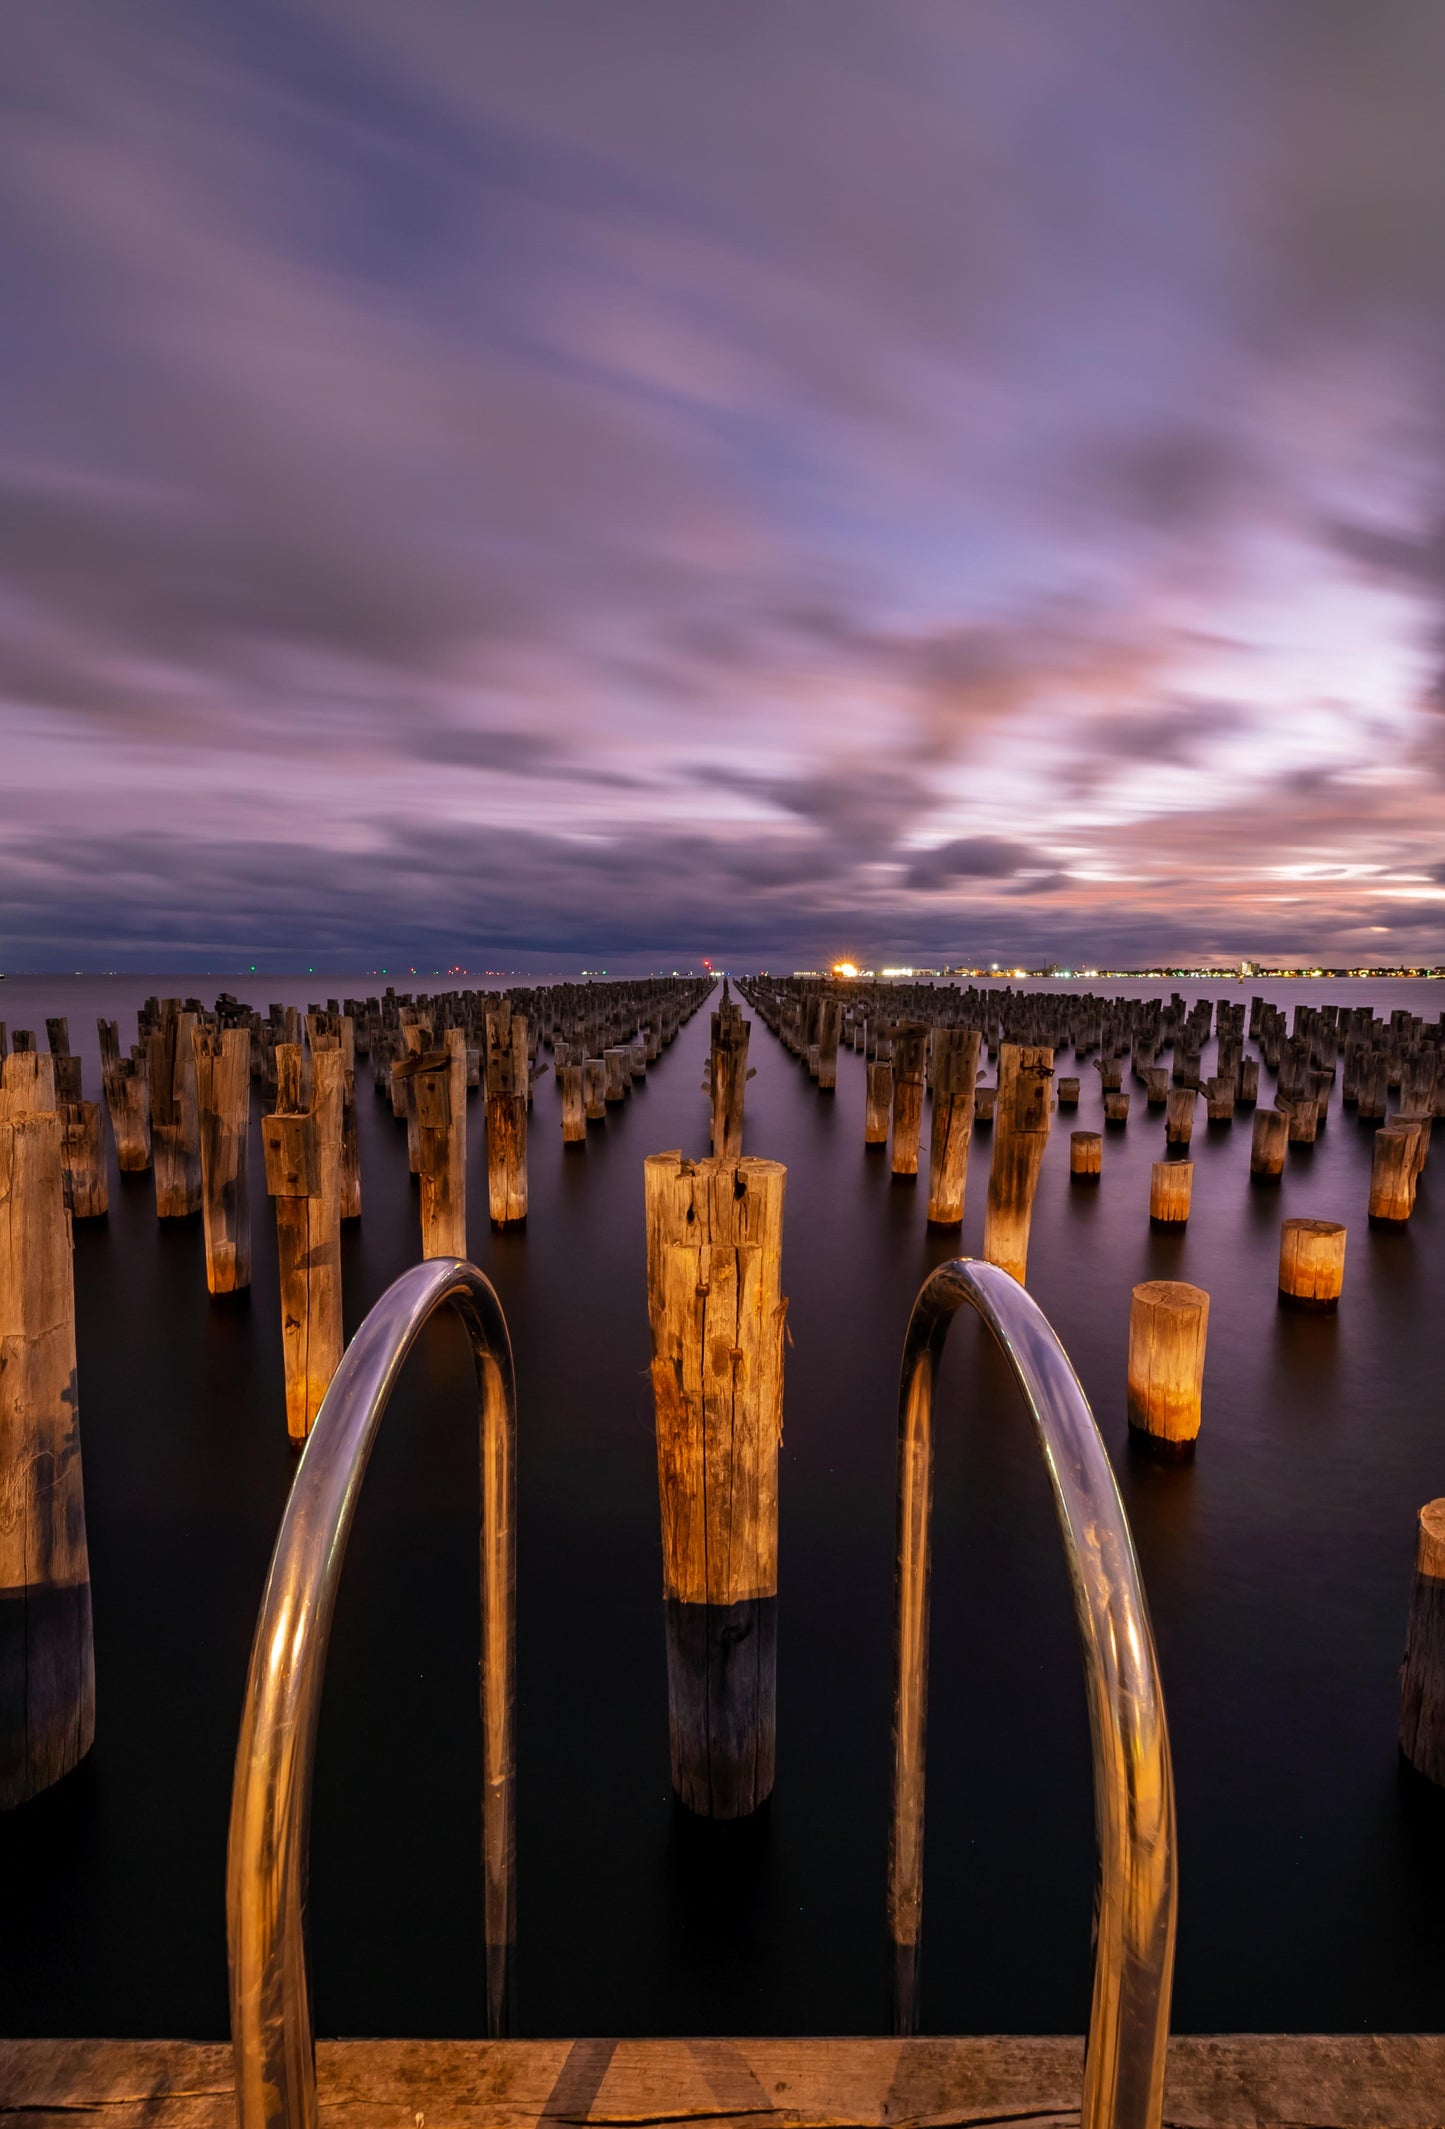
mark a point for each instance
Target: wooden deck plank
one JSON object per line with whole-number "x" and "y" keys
{"x": 1231, "y": 2081}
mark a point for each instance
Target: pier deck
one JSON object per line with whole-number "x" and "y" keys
{"x": 1230, "y": 2081}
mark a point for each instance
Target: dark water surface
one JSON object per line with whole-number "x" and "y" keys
{"x": 1312, "y": 1873}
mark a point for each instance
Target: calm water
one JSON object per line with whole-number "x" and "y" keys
{"x": 1277, "y": 1566}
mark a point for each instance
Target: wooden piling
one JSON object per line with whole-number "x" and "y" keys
{"x": 440, "y": 1092}
{"x": 337, "y": 1031}
{"x": 1168, "y": 1325}
{"x": 910, "y": 1052}
{"x": 508, "y": 1073}
{"x": 1025, "y": 1082}
{"x": 574, "y": 1111}
{"x": 126, "y": 1083}
{"x": 1068, "y": 1090}
{"x": 1179, "y": 1115}
{"x": 1171, "y": 1185}
{"x": 727, "y": 1080}
{"x": 1086, "y": 1156}
{"x": 594, "y": 1089}
{"x": 1422, "y": 1681}
{"x": 955, "y": 1073}
{"x": 1393, "y": 1172}
{"x": 1311, "y": 1263}
{"x": 303, "y": 1174}
{"x": 830, "y": 1021}
{"x": 175, "y": 1119}
{"x": 1116, "y": 1106}
{"x": 716, "y": 1313}
{"x": 618, "y": 1077}
{"x": 1269, "y": 1139}
{"x": 223, "y": 1104}
{"x": 47, "y": 1663}
{"x": 82, "y": 1132}
{"x": 878, "y": 1103}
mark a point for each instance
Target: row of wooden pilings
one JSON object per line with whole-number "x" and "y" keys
{"x": 1168, "y": 1318}
{"x": 718, "y": 1319}
{"x": 181, "y": 1103}
{"x": 926, "y": 1046}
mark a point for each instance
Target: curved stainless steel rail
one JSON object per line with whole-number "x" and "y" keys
{"x": 271, "y": 2028}
{"x": 1133, "y": 1774}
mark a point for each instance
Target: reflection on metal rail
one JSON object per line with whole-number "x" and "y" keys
{"x": 271, "y": 2028}
{"x": 1133, "y": 1775}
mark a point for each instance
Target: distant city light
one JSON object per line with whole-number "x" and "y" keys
{"x": 845, "y": 968}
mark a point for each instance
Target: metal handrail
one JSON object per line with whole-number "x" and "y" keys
{"x": 271, "y": 2025}
{"x": 1133, "y": 1774}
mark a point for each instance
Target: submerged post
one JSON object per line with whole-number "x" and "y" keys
{"x": 126, "y": 1081}
{"x": 1168, "y": 1326}
{"x": 1022, "y": 1112}
{"x": 47, "y": 1663}
{"x": 910, "y": 1053}
{"x": 508, "y": 1071}
{"x": 878, "y": 1103}
{"x": 440, "y": 1093}
{"x": 716, "y": 1313}
{"x": 175, "y": 1120}
{"x": 303, "y": 1175}
{"x": 955, "y": 1072}
{"x": 223, "y": 1101}
{"x": 727, "y": 1079}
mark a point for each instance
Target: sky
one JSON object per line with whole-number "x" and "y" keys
{"x": 621, "y": 480}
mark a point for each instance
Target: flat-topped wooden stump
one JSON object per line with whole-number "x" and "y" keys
{"x": 1233, "y": 2081}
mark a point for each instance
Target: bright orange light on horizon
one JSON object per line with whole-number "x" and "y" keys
{"x": 845, "y": 968}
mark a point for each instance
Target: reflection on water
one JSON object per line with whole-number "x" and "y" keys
{"x": 1277, "y": 1564}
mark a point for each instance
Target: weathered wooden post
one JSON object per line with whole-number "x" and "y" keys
{"x": 175, "y": 1119}
{"x": 1168, "y": 1323}
{"x": 1171, "y": 1185}
{"x": 716, "y": 1312}
{"x": 910, "y": 1052}
{"x": 830, "y": 1020}
{"x": 82, "y": 1132}
{"x": 47, "y": 1664}
{"x": 223, "y": 1103}
{"x": 303, "y": 1175}
{"x": 337, "y": 1031}
{"x": 985, "y": 1101}
{"x": 1393, "y": 1172}
{"x": 574, "y": 1112}
{"x": 1025, "y": 1082}
{"x": 878, "y": 1104}
{"x": 1268, "y": 1142}
{"x": 416, "y": 1041}
{"x": 1068, "y": 1093}
{"x": 594, "y": 1089}
{"x": 440, "y": 1092}
{"x": 1311, "y": 1263}
{"x": 1179, "y": 1116}
{"x": 127, "y": 1091}
{"x": 1422, "y": 1682}
{"x": 618, "y": 1077}
{"x": 507, "y": 1074}
{"x": 1116, "y": 1105}
{"x": 727, "y": 1080}
{"x": 955, "y": 1072}
{"x": 1086, "y": 1156}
